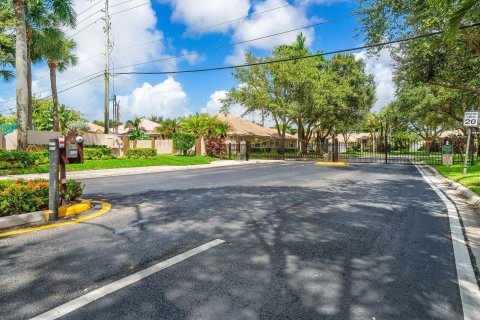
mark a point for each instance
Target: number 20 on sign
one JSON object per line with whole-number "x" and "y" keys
{"x": 470, "y": 119}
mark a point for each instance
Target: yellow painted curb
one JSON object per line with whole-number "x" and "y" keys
{"x": 73, "y": 209}
{"x": 335, "y": 164}
{"x": 105, "y": 208}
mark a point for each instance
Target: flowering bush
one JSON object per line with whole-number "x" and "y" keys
{"x": 21, "y": 196}
{"x": 216, "y": 146}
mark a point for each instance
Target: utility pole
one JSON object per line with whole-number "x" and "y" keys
{"x": 106, "y": 103}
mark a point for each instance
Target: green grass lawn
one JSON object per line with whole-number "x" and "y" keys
{"x": 471, "y": 180}
{"x": 162, "y": 160}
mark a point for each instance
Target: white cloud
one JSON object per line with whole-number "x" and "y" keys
{"x": 136, "y": 26}
{"x": 381, "y": 67}
{"x": 201, "y": 14}
{"x": 167, "y": 99}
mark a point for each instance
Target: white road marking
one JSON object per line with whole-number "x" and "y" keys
{"x": 469, "y": 292}
{"x": 117, "y": 285}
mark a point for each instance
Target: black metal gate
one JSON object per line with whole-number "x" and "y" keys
{"x": 391, "y": 152}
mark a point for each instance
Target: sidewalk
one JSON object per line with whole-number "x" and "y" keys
{"x": 87, "y": 174}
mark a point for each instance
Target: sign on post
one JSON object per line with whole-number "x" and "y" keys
{"x": 470, "y": 119}
{"x": 447, "y": 155}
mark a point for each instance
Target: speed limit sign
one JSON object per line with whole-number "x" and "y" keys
{"x": 470, "y": 119}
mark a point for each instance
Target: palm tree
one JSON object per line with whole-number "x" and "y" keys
{"x": 7, "y": 47}
{"x": 136, "y": 131}
{"x": 168, "y": 128}
{"x": 41, "y": 14}
{"x": 57, "y": 49}
{"x": 21, "y": 61}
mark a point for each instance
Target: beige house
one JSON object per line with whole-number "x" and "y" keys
{"x": 243, "y": 130}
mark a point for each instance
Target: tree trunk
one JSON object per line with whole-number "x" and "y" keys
{"x": 52, "y": 65}
{"x": 22, "y": 74}
{"x": 29, "y": 79}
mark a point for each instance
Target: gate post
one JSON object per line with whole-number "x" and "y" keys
{"x": 230, "y": 151}
{"x": 385, "y": 147}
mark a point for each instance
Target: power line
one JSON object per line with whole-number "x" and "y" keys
{"x": 238, "y": 43}
{"x": 128, "y": 9}
{"x": 93, "y": 5}
{"x": 382, "y": 44}
{"x": 74, "y": 86}
{"x": 214, "y": 25}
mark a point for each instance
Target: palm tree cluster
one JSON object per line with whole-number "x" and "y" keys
{"x": 39, "y": 37}
{"x": 201, "y": 125}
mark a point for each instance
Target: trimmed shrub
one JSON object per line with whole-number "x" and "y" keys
{"x": 97, "y": 153}
{"x": 216, "y": 147}
{"x": 141, "y": 153}
{"x": 74, "y": 191}
{"x": 22, "y": 196}
{"x": 24, "y": 158}
{"x": 183, "y": 142}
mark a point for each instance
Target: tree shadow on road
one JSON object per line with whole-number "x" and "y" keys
{"x": 356, "y": 250}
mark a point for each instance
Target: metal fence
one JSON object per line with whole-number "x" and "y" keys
{"x": 391, "y": 152}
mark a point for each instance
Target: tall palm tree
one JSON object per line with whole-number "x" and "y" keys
{"x": 21, "y": 61}
{"x": 41, "y": 14}
{"x": 57, "y": 49}
{"x": 22, "y": 73}
{"x": 7, "y": 46}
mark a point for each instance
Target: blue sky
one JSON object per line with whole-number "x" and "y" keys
{"x": 161, "y": 30}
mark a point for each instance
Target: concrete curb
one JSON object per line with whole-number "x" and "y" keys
{"x": 142, "y": 170}
{"x": 471, "y": 197}
{"x": 42, "y": 216}
{"x": 22, "y": 219}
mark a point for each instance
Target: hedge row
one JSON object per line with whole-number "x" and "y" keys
{"x": 141, "y": 153}
{"x": 21, "y": 196}
{"x": 97, "y": 153}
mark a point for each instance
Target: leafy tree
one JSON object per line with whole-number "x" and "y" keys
{"x": 183, "y": 142}
{"x": 102, "y": 124}
{"x": 43, "y": 114}
{"x": 7, "y": 120}
{"x": 314, "y": 94}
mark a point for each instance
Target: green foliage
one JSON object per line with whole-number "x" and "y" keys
{"x": 203, "y": 125}
{"x": 8, "y": 120}
{"x": 7, "y": 46}
{"x": 183, "y": 142}
{"x": 22, "y": 159}
{"x": 74, "y": 191}
{"x": 22, "y": 196}
{"x": 314, "y": 94}
{"x": 97, "y": 153}
{"x": 168, "y": 128}
{"x": 136, "y": 131}
{"x": 141, "y": 153}
{"x": 43, "y": 115}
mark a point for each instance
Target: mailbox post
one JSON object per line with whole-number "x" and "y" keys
{"x": 71, "y": 153}
{"x": 53, "y": 180}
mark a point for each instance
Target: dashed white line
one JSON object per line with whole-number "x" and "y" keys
{"x": 122, "y": 283}
{"x": 469, "y": 292}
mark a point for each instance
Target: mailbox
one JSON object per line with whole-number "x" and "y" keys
{"x": 73, "y": 151}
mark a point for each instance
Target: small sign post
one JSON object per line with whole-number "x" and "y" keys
{"x": 470, "y": 120}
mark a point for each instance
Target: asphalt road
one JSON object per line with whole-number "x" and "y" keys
{"x": 301, "y": 242}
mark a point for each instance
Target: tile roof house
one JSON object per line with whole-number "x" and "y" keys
{"x": 241, "y": 129}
